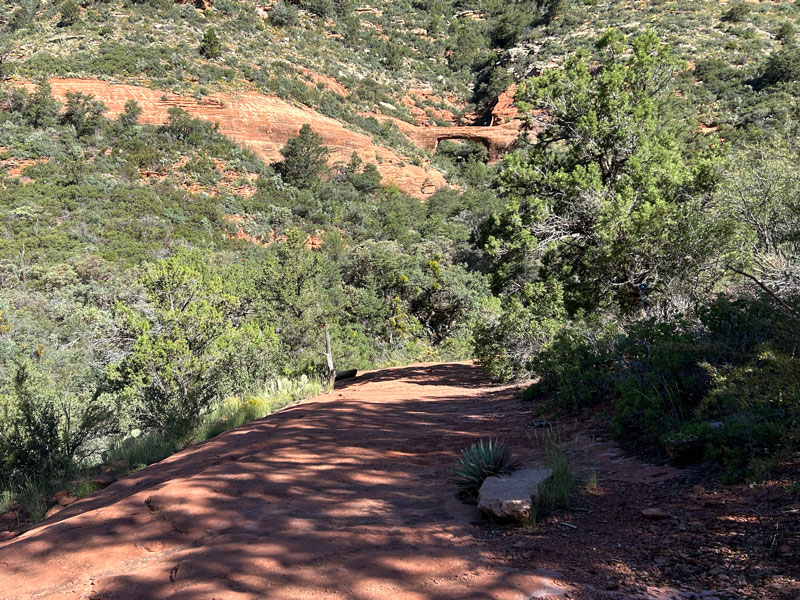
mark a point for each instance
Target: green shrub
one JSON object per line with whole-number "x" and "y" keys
{"x": 283, "y": 15}
{"x": 482, "y": 459}
{"x": 755, "y": 409}
{"x": 24, "y": 14}
{"x": 738, "y": 12}
{"x": 305, "y": 158}
{"x": 320, "y": 8}
{"x": 661, "y": 379}
{"x": 717, "y": 75}
{"x": 507, "y": 343}
{"x": 44, "y": 431}
{"x": 70, "y": 13}
{"x": 41, "y": 109}
{"x": 577, "y": 369}
{"x": 786, "y": 33}
{"x": 188, "y": 350}
{"x": 721, "y": 388}
{"x": 782, "y": 67}
{"x": 83, "y": 112}
{"x": 210, "y": 46}
{"x": 553, "y": 9}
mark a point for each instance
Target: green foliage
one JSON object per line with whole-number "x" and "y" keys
{"x": 467, "y": 45}
{"x": 464, "y": 163}
{"x": 304, "y": 289}
{"x": 602, "y": 200}
{"x": 140, "y": 450}
{"x": 40, "y": 108}
{"x": 492, "y": 79}
{"x": 722, "y": 389}
{"x": 577, "y": 368}
{"x": 556, "y": 492}
{"x": 640, "y": 222}
{"x": 782, "y": 67}
{"x": 236, "y": 411}
{"x": 187, "y": 345}
{"x": 43, "y": 434}
{"x": 485, "y": 458}
{"x": 70, "y": 13}
{"x": 786, "y": 32}
{"x": 505, "y": 27}
{"x": 525, "y": 324}
{"x": 320, "y": 8}
{"x": 24, "y": 14}
{"x": 553, "y": 9}
{"x": 304, "y": 159}
{"x": 738, "y": 12}
{"x": 211, "y": 45}
{"x": 283, "y": 15}
{"x": 83, "y": 112}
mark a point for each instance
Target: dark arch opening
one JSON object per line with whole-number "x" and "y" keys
{"x": 466, "y": 138}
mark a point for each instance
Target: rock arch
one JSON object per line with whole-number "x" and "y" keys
{"x": 484, "y": 140}
{"x": 497, "y": 139}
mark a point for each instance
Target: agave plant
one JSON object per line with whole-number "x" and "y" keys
{"x": 482, "y": 459}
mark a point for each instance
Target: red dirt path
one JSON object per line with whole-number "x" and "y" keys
{"x": 348, "y": 496}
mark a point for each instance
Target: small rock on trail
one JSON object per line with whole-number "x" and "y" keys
{"x": 513, "y": 496}
{"x": 655, "y": 514}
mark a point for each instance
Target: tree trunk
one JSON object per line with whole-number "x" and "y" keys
{"x": 329, "y": 356}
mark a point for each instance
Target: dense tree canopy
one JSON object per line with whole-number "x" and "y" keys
{"x": 603, "y": 198}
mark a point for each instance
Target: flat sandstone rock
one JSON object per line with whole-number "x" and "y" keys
{"x": 510, "y": 497}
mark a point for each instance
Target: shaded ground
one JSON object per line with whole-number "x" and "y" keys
{"x": 348, "y": 496}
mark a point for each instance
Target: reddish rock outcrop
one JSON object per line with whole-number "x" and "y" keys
{"x": 496, "y": 139}
{"x": 201, "y": 4}
{"x": 64, "y": 498}
{"x": 263, "y": 124}
{"x": 505, "y": 110}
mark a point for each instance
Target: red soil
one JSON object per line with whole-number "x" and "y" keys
{"x": 263, "y": 124}
{"x": 349, "y": 496}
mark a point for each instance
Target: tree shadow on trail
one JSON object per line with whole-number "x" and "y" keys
{"x": 463, "y": 375}
{"x": 337, "y": 497}
{"x": 349, "y": 496}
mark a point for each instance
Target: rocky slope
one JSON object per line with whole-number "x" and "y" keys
{"x": 264, "y": 124}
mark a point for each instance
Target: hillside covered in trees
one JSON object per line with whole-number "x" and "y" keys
{"x": 635, "y": 256}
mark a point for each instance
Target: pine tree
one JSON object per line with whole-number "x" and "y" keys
{"x": 304, "y": 159}
{"x": 70, "y": 13}
{"x": 211, "y": 46}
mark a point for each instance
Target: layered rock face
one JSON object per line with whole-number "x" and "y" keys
{"x": 265, "y": 123}
{"x": 262, "y": 124}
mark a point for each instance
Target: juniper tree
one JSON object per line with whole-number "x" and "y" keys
{"x": 304, "y": 159}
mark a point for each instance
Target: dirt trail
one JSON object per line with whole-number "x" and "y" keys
{"x": 348, "y": 496}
